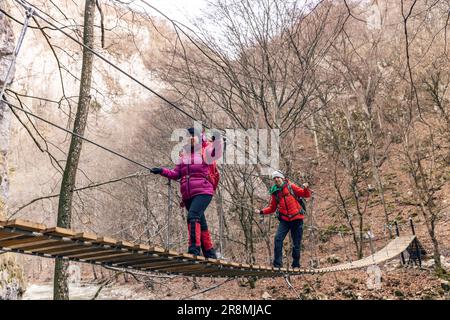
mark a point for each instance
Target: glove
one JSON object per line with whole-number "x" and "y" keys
{"x": 261, "y": 218}
{"x": 156, "y": 170}
{"x": 257, "y": 211}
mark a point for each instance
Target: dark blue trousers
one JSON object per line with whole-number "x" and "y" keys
{"x": 296, "y": 228}
{"x": 199, "y": 237}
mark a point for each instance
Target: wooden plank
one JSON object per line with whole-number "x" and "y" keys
{"x": 181, "y": 268}
{"x": 24, "y": 239}
{"x": 97, "y": 253}
{"x": 145, "y": 264}
{"x": 142, "y": 247}
{"x": 20, "y": 246}
{"x": 132, "y": 261}
{"x": 173, "y": 253}
{"x": 9, "y": 235}
{"x": 126, "y": 244}
{"x": 61, "y": 232}
{"x": 86, "y": 251}
{"x": 69, "y": 252}
{"x": 85, "y": 236}
{"x": 25, "y": 225}
{"x": 212, "y": 261}
{"x": 156, "y": 261}
{"x": 17, "y": 240}
{"x": 188, "y": 256}
{"x": 112, "y": 257}
{"x": 246, "y": 272}
{"x": 107, "y": 240}
{"x": 168, "y": 264}
{"x": 53, "y": 242}
{"x": 157, "y": 250}
{"x": 139, "y": 261}
{"x": 218, "y": 261}
{"x": 214, "y": 271}
{"x": 57, "y": 249}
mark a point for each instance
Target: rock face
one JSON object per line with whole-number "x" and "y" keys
{"x": 6, "y": 45}
{"x": 11, "y": 274}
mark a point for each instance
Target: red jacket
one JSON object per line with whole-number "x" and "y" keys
{"x": 288, "y": 207}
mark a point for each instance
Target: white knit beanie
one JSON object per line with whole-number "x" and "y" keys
{"x": 278, "y": 174}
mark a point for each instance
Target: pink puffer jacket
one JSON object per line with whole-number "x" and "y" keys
{"x": 193, "y": 171}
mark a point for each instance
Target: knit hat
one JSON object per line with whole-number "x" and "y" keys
{"x": 278, "y": 174}
{"x": 193, "y": 131}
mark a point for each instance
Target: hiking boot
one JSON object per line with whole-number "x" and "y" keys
{"x": 211, "y": 253}
{"x": 194, "y": 250}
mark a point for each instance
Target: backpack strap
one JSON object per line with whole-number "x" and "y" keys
{"x": 213, "y": 175}
{"x": 277, "y": 196}
{"x": 300, "y": 200}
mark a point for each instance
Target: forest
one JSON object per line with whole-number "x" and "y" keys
{"x": 352, "y": 97}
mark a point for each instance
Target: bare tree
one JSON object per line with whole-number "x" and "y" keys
{"x": 61, "y": 290}
{"x": 12, "y": 283}
{"x": 425, "y": 144}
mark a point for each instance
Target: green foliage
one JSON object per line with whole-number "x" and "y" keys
{"x": 398, "y": 293}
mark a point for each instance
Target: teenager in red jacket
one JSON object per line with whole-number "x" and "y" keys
{"x": 290, "y": 215}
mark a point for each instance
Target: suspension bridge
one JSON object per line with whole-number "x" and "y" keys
{"x": 27, "y": 237}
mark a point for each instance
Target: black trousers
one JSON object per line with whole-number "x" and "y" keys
{"x": 196, "y": 207}
{"x": 199, "y": 237}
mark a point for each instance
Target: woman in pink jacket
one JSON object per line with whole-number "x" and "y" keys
{"x": 197, "y": 189}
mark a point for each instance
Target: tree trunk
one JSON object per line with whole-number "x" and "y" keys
{"x": 12, "y": 283}
{"x": 316, "y": 140}
{"x": 436, "y": 252}
{"x": 375, "y": 165}
{"x": 61, "y": 290}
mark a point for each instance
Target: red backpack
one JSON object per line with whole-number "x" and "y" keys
{"x": 213, "y": 172}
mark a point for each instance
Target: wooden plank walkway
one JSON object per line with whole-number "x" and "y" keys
{"x": 28, "y": 237}
{"x": 394, "y": 248}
